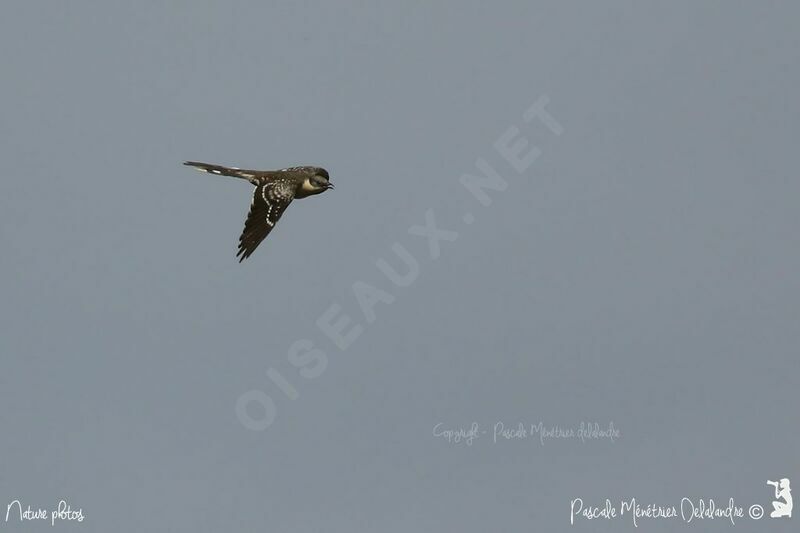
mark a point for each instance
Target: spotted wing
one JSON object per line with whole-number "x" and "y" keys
{"x": 270, "y": 200}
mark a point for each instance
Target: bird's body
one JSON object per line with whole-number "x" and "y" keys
{"x": 274, "y": 191}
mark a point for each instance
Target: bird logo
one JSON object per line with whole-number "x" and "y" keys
{"x": 274, "y": 191}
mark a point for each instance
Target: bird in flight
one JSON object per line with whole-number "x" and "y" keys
{"x": 275, "y": 190}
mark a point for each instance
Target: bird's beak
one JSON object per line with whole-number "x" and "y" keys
{"x": 330, "y": 186}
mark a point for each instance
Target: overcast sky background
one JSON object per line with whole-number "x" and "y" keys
{"x": 643, "y": 271}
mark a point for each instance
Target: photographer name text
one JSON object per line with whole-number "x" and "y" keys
{"x": 537, "y": 432}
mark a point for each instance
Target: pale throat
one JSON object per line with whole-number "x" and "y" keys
{"x": 308, "y": 187}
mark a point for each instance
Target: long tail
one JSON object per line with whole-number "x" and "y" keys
{"x": 219, "y": 170}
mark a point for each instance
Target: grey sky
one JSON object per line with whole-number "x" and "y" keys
{"x": 643, "y": 271}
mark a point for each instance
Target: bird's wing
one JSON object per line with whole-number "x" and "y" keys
{"x": 270, "y": 200}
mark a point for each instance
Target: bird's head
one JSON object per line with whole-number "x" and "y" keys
{"x": 318, "y": 182}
